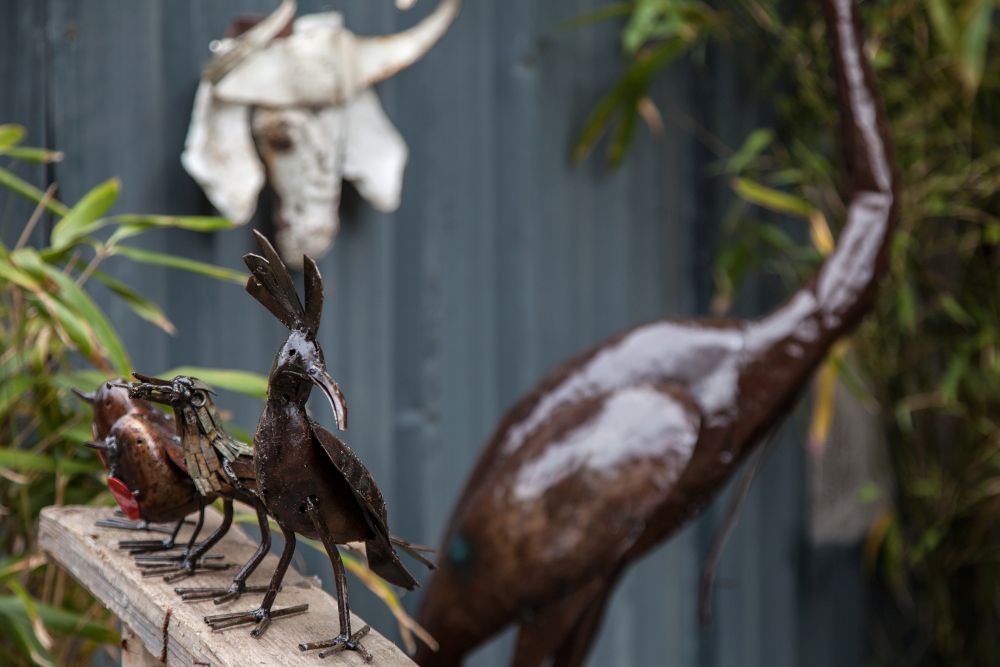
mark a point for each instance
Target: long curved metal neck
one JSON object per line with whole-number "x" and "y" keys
{"x": 786, "y": 345}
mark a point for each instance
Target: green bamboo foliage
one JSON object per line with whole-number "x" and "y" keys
{"x": 56, "y": 337}
{"x": 930, "y": 350}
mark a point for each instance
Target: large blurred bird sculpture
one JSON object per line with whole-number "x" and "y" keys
{"x": 616, "y": 449}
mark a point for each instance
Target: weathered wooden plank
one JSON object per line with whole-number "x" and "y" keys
{"x": 173, "y": 630}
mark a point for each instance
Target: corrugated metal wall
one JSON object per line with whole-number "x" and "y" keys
{"x": 502, "y": 260}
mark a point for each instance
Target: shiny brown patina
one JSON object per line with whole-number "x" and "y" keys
{"x": 619, "y": 447}
{"x": 138, "y": 445}
{"x": 310, "y": 481}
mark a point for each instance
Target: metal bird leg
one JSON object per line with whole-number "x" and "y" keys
{"x": 147, "y": 546}
{"x": 345, "y": 640}
{"x": 263, "y": 615}
{"x": 187, "y": 563}
{"x": 238, "y": 587}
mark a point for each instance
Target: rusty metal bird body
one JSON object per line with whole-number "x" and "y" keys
{"x": 218, "y": 465}
{"x": 310, "y": 481}
{"x": 619, "y": 447}
{"x": 139, "y": 447}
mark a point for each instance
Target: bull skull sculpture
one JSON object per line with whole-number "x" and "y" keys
{"x": 293, "y": 99}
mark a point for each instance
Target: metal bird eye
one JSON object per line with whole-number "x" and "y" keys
{"x": 197, "y": 398}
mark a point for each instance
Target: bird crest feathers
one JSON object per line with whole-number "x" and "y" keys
{"x": 271, "y": 285}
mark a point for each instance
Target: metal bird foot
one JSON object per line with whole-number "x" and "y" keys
{"x": 121, "y": 523}
{"x": 218, "y": 595}
{"x": 174, "y": 572}
{"x": 342, "y": 643}
{"x": 262, "y": 617}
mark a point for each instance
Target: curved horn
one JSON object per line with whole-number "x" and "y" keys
{"x": 379, "y": 58}
{"x": 253, "y": 39}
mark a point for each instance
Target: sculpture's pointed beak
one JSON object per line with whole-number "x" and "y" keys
{"x": 84, "y": 396}
{"x": 151, "y": 389}
{"x": 331, "y": 390}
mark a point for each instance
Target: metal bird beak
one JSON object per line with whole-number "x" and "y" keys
{"x": 151, "y": 388}
{"x": 319, "y": 377}
{"x": 84, "y": 396}
{"x": 100, "y": 446}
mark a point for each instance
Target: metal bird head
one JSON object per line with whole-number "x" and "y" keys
{"x": 109, "y": 402}
{"x": 299, "y": 364}
{"x": 183, "y": 390}
{"x": 108, "y": 447}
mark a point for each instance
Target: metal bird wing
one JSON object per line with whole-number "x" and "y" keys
{"x": 382, "y": 558}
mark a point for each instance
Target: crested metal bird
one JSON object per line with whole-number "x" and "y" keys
{"x": 139, "y": 447}
{"x": 619, "y": 447}
{"x": 310, "y": 481}
{"x": 219, "y": 466}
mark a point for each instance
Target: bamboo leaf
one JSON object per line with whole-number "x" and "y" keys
{"x": 29, "y": 191}
{"x": 36, "y": 155}
{"x": 60, "y": 620}
{"x": 771, "y": 199}
{"x": 943, "y": 22}
{"x": 974, "y": 44}
{"x": 629, "y": 89}
{"x": 24, "y": 461}
{"x": 10, "y": 136}
{"x": 755, "y": 143}
{"x": 601, "y": 14}
{"x": 11, "y": 389}
{"x": 133, "y": 225}
{"x": 83, "y": 215}
{"x": 182, "y": 263}
{"x": 139, "y": 304}
{"x": 75, "y": 297}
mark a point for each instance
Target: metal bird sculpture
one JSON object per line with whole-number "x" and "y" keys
{"x": 310, "y": 481}
{"x": 138, "y": 445}
{"x": 619, "y": 447}
{"x": 219, "y": 466}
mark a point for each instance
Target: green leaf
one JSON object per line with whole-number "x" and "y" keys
{"x": 139, "y": 304}
{"x": 74, "y": 296}
{"x": 601, "y": 14}
{"x": 243, "y": 382}
{"x": 943, "y": 22}
{"x": 182, "y": 263}
{"x": 906, "y": 305}
{"x": 11, "y": 389}
{"x": 10, "y": 136}
{"x": 974, "y": 44}
{"x": 36, "y": 155}
{"x": 84, "y": 380}
{"x": 755, "y": 143}
{"x": 23, "y": 461}
{"x": 29, "y": 191}
{"x": 622, "y": 138}
{"x": 82, "y": 216}
{"x": 60, "y": 620}
{"x": 626, "y": 93}
{"x": 133, "y": 225}
{"x": 771, "y": 199}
